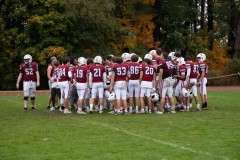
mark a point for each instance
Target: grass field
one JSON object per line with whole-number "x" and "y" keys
{"x": 211, "y": 134}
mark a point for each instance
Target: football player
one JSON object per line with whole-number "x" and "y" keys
{"x": 192, "y": 73}
{"x": 133, "y": 83}
{"x": 97, "y": 72}
{"x": 165, "y": 75}
{"x": 147, "y": 81}
{"x": 81, "y": 79}
{"x": 181, "y": 87}
{"x": 50, "y": 71}
{"x": 65, "y": 75}
{"x": 31, "y": 79}
{"x": 73, "y": 95}
{"x": 55, "y": 89}
{"x": 119, "y": 84}
{"x": 202, "y": 80}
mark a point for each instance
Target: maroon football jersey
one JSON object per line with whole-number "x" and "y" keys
{"x": 183, "y": 71}
{"x": 120, "y": 71}
{"x": 97, "y": 72}
{"x": 55, "y": 75}
{"x": 108, "y": 68}
{"x": 80, "y": 73}
{"x": 203, "y": 68}
{"x": 194, "y": 69}
{"x": 148, "y": 72}
{"x": 63, "y": 73}
{"x": 29, "y": 72}
{"x": 167, "y": 67}
{"x": 156, "y": 60}
{"x": 134, "y": 70}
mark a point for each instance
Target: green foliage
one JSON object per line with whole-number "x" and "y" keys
{"x": 234, "y": 66}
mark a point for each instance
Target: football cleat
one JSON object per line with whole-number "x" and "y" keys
{"x": 81, "y": 112}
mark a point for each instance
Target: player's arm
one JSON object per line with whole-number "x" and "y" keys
{"x": 112, "y": 81}
{"x": 141, "y": 76}
{"x": 49, "y": 70}
{"x": 181, "y": 77}
{"x": 87, "y": 80}
{"x": 160, "y": 74}
{"x": 188, "y": 71}
{"x": 18, "y": 80}
{"x": 154, "y": 81}
{"x": 38, "y": 78}
{"x": 201, "y": 75}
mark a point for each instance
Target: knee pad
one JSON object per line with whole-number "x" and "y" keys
{"x": 32, "y": 98}
{"x": 25, "y": 98}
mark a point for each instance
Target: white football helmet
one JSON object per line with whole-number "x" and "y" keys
{"x": 131, "y": 54}
{"x": 97, "y": 59}
{"x": 139, "y": 60}
{"x": 154, "y": 97}
{"x": 185, "y": 93}
{"x": 180, "y": 61}
{"x": 126, "y": 57}
{"x": 111, "y": 96}
{"x": 171, "y": 54}
{"x": 82, "y": 61}
{"x": 153, "y": 52}
{"x": 107, "y": 93}
{"x": 148, "y": 56}
{"x": 202, "y": 57}
{"x": 27, "y": 58}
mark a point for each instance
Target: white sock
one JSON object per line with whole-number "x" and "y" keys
{"x": 130, "y": 108}
{"x": 101, "y": 107}
{"x": 91, "y": 106}
{"x": 25, "y": 103}
{"x": 80, "y": 109}
{"x": 146, "y": 108}
{"x": 136, "y": 108}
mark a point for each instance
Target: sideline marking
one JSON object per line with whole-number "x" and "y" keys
{"x": 158, "y": 141}
{"x": 10, "y": 100}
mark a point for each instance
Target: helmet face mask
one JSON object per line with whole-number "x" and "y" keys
{"x": 154, "y": 97}
{"x": 171, "y": 55}
{"x": 111, "y": 97}
{"x": 201, "y": 57}
{"x": 27, "y": 59}
{"x": 180, "y": 61}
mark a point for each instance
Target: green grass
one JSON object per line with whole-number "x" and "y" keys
{"x": 212, "y": 134}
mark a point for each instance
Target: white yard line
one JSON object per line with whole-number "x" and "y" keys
{"x": 11, "y": 100}
{"x": 157, "y": 141}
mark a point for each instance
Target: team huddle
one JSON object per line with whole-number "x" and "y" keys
{"x": 123, "y": 85}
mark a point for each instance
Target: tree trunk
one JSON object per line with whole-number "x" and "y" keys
{"x": 231, "y": 23}
{"x": 210, "y": 22}
{"x": 202, "y": 13}
{"x": 236, "y": 43}
{"x": 195, "y": 17}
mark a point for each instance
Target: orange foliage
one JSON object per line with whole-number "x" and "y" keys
{"x": 217, "y": 58}
{"x": 142, "y": 27}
